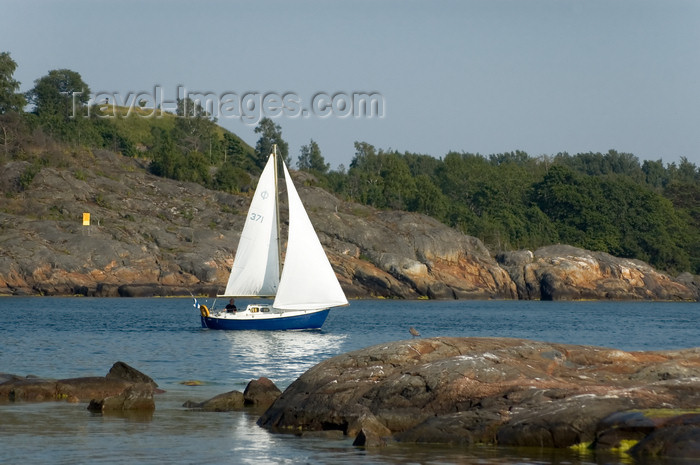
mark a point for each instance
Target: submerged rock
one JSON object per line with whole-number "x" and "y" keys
{"x": 483, "y": 390}
{"x": 226, "y": 402}
{"x": 259, "y": 394}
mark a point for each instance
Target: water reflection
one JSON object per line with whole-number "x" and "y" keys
{"x": 130, "y": 415}
{"x": 279, "y": 355}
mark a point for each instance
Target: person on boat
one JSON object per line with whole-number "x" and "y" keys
{"x": 231, "y": 306}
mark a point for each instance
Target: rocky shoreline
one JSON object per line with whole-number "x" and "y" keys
{"x": 450, "y": 391}
{"x": 550, "y": 273}
{"x": 151, "y": 236}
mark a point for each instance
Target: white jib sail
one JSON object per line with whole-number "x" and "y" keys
{"x": 255, "y": 270}
{"x": 308, "y": 281}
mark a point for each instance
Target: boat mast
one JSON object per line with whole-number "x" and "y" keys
{"x": 277, "y": 212}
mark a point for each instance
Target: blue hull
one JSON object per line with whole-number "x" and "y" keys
{"x": 306, "y": 321}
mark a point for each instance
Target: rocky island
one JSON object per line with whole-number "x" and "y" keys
{"x": 151, "y": 236}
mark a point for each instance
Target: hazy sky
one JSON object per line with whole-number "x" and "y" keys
{"x": 482, "y": 76}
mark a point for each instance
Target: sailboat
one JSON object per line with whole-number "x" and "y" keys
{"x": 304, "y": 289}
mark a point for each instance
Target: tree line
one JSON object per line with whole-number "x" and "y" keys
{"x": 604, "y": 202}
{"x": 609, "y": 202}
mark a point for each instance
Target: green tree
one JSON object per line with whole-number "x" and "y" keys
{"x": 14, "y": 132}
{"x": 197, "y": 169}
{"x": 382, "y": 179}
{"x": 687, "y": 172}
{"x": 113, "y": 139}
{"x": 492, "y": 198}
{"x": 194, "y": 131}
{"x": 428, "y": 198}
{"x": 12, "y": 125}
{"x": 598, "y": 164}
{"x": 61, "y": 92}
{"x": 650, "y": 228}
{"x": 167, "y": 160}
{"x": 59, "y": 100}
{"x": 231, "y": 178}
{"x": 574, "y": 203}
{"x": 398, "y": 186}
{"x": 10, "y": 99}
{"x": 685, "y": 197}
{"x": 654, "y": 173}
{"x": 336, "y": 180}
{"x": 310, "y": 159}
{"x": 624, "y": 164}
{"x": 423, "y": 165}
{"x": 365, "y": 183}
{"x": 518, "y": 157}
{"x": 270, "y": 134}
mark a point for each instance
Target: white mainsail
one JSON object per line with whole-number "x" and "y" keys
{"x": 255, "y": 269}
{"x": 308, "y": 281}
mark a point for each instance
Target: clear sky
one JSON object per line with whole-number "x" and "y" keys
{"x": 480, "y": 76}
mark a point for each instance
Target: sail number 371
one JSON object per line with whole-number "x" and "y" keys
{"x": 256, "y": 217}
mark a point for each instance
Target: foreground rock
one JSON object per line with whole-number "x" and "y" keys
{"x": 123, "y": 388}
{"x": 259, "y": 394}
{"x": 138, "y": 396}
{"x": 495, "y": 391}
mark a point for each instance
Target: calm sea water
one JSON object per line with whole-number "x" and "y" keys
{"x": 75, "y": 337}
